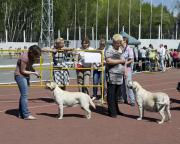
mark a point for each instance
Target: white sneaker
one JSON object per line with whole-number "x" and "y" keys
{"x": 30, "y": 117}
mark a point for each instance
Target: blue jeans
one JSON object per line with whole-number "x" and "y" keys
{"x": 97, "y": 79}
{"x": 23, "y": 83}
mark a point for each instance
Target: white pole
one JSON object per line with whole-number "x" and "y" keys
{"x": 86, "y": 20}
{"x": 123, "y": 28}
{"x": 6, "y": 36}
{"x": 107, "y": 33}
{"x": 129, "y": 17}
{"x": 107, "y": 29}
{"x": 93, "y": 37}
{"x": 159, "y": 32}
{"x": 79, "y": 42}
{"x": 92, "y": 33}
{"x": 31, "y": 35}
{"x": 75, "y": 27}
{"x": 118, "y": 14}
{"x": 139, "y": 31}
{"x": 24, "y": 35}
{"x": 176, "y": 30}
{"x": 140, "y": 16}
{"x": 49, "y": 23}
{"x": 150, "y": 29}
{"x": 97, "y": 24}
{"x": 67, "y": 34}
{"x": 79, "y": 33}
{"x": 161, "y": 17}
{"x": 59, "y": 34}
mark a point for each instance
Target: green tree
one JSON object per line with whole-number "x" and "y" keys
{"x": 25, "y": 15}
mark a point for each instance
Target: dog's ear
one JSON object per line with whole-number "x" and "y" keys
{"x": 48, "y": 84}
{"x": 53, "y": 84}
{"x": 47, "y": 81}
{"x": 136, "y": 85}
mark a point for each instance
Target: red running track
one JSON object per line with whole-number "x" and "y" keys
{"x": 75, "y": 128}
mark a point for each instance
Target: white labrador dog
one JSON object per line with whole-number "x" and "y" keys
{"x": 155, "y": 102}
{"x": 69, "y": 99}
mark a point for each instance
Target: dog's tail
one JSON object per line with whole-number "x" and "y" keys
{"x": 91, "y": 103}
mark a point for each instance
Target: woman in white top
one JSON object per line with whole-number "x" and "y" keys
{"x": 83, "y": 75}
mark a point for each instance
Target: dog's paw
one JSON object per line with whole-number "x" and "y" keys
{"x": 88, "y": 116}
{"x": 60, "y": 118}
{"x": 160, "y": 122}
{"x": 139, "y": 118}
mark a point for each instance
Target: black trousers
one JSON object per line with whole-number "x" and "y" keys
{"x": 113, "y": 92}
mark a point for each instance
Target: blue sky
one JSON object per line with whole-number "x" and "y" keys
{"x": 169, "y": 3}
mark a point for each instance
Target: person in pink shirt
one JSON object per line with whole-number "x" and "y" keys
{"x": 129, "y": 57}
{"x": 24, "y": 69}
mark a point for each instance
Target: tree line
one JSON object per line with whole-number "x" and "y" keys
{"x": 17, "y": 16}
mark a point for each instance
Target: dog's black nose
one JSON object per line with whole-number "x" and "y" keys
{"x": 130, "y": 87}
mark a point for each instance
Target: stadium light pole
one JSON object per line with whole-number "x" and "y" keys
{"x": 47, "y": 29}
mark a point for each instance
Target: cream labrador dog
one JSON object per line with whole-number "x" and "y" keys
{"x": 155, "y": 102}
{"x": 69, "y": 99}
